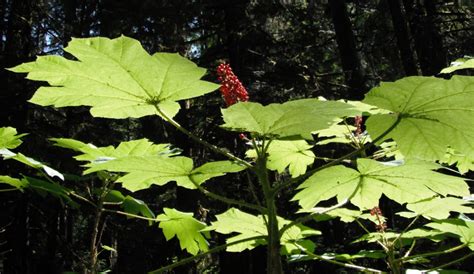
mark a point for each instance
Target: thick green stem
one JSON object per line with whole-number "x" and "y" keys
{"x": 200, "y": 140}
{"x": 274, "y": 265}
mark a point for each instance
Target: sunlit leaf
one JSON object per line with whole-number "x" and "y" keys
{"x": 437, "y": 208}
{"x": 14, "y": 182}
{"x": 117, "y": 78}
{"x": 462, "y": 63}
{"x": 406, "y": 183}
{"x": 296, "y": 155}
{"x": 292, "y": 119}
{"x": 9, "y": 138}
{"x": 248, "y": 225}
{"x": 144, "y": 171}
{"x": 433, "y": 114}
{"x": 185, "y": 228}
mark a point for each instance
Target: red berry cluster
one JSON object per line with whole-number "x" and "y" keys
{"x": 381, "y": 226}
{"x": 232, "y": 89}
{"x": 358, "y": 123}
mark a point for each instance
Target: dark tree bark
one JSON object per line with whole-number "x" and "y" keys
{"x": 403, "y": 37}
{"x": 428, "y": 41}
{"x": 350, "y": 59}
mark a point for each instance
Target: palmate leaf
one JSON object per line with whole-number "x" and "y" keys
{"x": 144, "y": 171}
{"x": 407, "y": 183}
{"x": 462, "y": 229}
{"x": 117, "y": 78}
{"x": 296, "y": 155}
{"x": 294, "y": 119}
{"x": 434, "y": 115}
{"x": 248, "y": 225}
{"x": 185, "y": 228}
{"x": 9, "y": 138}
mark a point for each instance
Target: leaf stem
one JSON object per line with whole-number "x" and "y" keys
{"x": 309, "y": 217}
{"x": 452, "y": 262}
{"x": 200, "y": 140}
{"x": 224, "y": 199}
{"x": 429, "y": 254}
{"x": 210, "y": 251}
{"x": 129, "y": 214}
{"x": 353, "y": 266}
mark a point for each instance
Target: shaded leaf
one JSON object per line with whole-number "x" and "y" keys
{"x": 462, "y": 229}
{"x": 9, "y": 155}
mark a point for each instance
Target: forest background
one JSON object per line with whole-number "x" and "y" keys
{"x": 280, "y": 50}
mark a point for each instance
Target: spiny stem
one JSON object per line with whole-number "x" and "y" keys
{"x": 210, "y": 251}
{"x": 200, "y": 140}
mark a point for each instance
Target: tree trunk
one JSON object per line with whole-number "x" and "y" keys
{"x": 350, "y": 59}
{"x": 428, "y": 41}
{"x": 403, "y": 38}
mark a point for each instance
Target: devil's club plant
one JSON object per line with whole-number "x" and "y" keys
{"x": 425, "y": 122}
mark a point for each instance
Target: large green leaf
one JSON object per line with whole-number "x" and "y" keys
{"x": 463, "y": 229}
{"x": 117, "y": 78}
{"x": 437, "y": 208}
{"x": 9, "y": 138}
{"x": 291, "y": 119}
{"x": 434, "y": 114}
{"x": 296, "y": 155}
{"x": 143, "y": 171}
{"x": 407, "y": 183}
{"x": 185, "y": 228}
{"x": 248, "y": 225}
